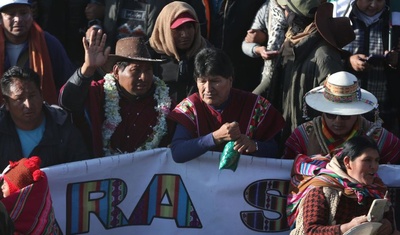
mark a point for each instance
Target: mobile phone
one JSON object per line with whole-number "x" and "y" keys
{"x": 272, "y": 52}
{"x": 375, "y": 60}
{"x": 377, "y": 210}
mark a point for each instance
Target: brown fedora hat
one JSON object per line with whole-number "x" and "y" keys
{"x": 129, "y": 48}
{"x": 336, "y": 31}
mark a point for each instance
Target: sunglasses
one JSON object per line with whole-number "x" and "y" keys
{"x": 333, "y": 116}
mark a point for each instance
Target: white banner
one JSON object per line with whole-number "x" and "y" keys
{"x": 148, "y": 193}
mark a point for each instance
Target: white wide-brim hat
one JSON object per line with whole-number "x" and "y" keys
{"x": 4, "y": 3}
{"x": 341, "y": 95}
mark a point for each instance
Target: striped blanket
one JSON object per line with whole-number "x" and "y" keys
{"x": 31, "y": 209}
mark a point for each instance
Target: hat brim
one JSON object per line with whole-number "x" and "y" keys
{"x": 316, "y": 100}
{"x": 282, "y": 2}
{"x": 182, "y": 21}
{"x": 112, "y": 59}
{"x": 14, "y": 3}
{"x": 332, "y": 29}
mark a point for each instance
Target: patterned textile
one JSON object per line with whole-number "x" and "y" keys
{"x": 333, "y": 141}
{"x": 31, "y": 210}
{"x": 39, "y": 61}
{"x": 309, "y": 172}
{"x": 308, "y": 139}
{"x": 315, "y": 203}
{"x": 257, "y": 118}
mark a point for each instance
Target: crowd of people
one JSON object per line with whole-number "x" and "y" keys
{"x": 285, "y": 79}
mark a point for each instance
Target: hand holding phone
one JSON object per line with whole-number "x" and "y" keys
{"x": 270, "y": 54}
{"x": 375, "y": 60}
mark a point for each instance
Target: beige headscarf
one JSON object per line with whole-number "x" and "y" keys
{"x": 161, "y": 39}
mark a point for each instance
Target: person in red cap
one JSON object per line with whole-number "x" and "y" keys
{"x": 177, "y": 38}
{"x": 21, "y": 174}
{"x": 25, "y": 184}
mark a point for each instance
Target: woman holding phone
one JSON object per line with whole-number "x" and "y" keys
{"x": 332, "y": 194}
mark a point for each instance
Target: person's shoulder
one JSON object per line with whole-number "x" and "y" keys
{"x": 304, "y": 128}
{"x": 308, "y": 125}
{"x": 315, "y": 194}
{"x": 57, "y": 113}
{"x": 240, "y": 92}
{"x": 3, "y": 117}
{"x": 188, "y": 104}
{"x": 52, "y": 42}
{"x": 243, "y": 96}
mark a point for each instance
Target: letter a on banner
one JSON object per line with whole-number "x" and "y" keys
{"x": 166, "y": 197}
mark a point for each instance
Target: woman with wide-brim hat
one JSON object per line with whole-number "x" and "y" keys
{"x": 342, "y": 104}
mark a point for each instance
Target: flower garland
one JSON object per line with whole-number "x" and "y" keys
{"x": 113, "y": 117}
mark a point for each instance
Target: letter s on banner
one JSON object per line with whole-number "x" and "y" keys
{"x": 269, "y": 197}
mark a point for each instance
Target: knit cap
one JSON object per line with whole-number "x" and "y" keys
{"x": 23, "y": 173}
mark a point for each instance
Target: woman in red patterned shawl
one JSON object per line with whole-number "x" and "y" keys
{"x": 342, "y": 103}
{"x": 218, "y": 113}
{"x": 332, "y": 194}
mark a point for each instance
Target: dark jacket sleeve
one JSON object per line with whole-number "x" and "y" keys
{"x": 77, "y": 149}
{"x": 73, "y": 94}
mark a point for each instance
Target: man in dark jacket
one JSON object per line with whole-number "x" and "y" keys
{"x": 30, "y": 127}
{"x": 24, "y": 43}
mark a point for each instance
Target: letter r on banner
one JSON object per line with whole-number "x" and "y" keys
{"x": 98, "y": 197}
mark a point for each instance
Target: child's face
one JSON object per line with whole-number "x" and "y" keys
{"x": 5, "y": 189}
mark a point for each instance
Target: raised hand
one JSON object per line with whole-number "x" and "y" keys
{"x": 95, "y": 55}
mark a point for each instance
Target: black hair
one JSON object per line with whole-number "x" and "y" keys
{"x": 123, "y": 64}
{"x": 212, "y": 62}
{"x": 17, "y": 73}
{"x": 355, "y": 147}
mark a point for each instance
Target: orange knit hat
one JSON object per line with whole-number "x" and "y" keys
{"x": 23, "y": 173}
